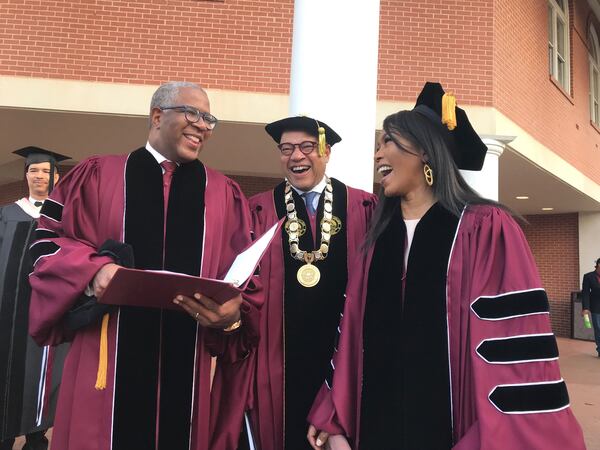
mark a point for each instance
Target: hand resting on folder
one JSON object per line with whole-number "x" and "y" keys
{"x": 209, "y": 313}
{"x": 162, "y": 289}
{"x": 103, "y": 277}
{"x": 211, "y": 302}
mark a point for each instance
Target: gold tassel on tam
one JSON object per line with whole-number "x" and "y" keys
{"x": 449, "y": 110}
{"x": 322, "y": 141}
{"x": 103, "y": 356}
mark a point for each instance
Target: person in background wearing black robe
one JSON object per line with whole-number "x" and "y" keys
{"x": 29, "y": 374}
{"x": 304, "y": 274}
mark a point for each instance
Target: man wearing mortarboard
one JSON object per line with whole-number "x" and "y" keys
{"x": 29, "y": 375}
{"x": 304, "y": 276}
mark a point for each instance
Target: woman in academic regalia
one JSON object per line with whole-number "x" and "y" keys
{"x": 445, "y": 341}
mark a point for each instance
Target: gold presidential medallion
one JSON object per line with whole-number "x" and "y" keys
{"x": 308, "y": 275}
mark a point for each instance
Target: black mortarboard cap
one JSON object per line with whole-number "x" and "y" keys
{"x": 35, "y": 155}
{"x": 301, "y": 123}
{"x": 467, "y": 148}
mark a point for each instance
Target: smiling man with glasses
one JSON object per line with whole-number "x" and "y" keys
{"x": 304, "y": 275}
{"x": 140, "y": 378}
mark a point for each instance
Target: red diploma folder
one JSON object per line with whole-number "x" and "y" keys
{"x": 157, "y": 289}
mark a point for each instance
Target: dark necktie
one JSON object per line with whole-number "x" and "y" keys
{"x": 38, "y": 204}
{"x": 309, "y": 201}
{"x": 169, "y": 167}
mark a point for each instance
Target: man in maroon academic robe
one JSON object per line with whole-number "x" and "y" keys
{"x": 139, "y": 378}
{"x": 302, "y": 305}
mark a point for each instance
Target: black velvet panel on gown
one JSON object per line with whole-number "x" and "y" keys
{"x": 406, "y": 388}
{"x": 154, "y": 341}
{"x": 311, "y": 315}
{"x": 16, "y": 234}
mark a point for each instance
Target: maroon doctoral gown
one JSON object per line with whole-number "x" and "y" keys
{"x": 157, "y": 392}
{"x": 490, "y": 380}
{"x": 298, "y": 324}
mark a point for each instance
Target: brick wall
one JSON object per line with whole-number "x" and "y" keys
{"x": 524, "y": 92}
{"x": 554, "y": 241}
{"x": 429, "y": 40}
{"x": 255, "y": 185}
{"x": 13, "y": 191}
{"x": 236, "y": 44}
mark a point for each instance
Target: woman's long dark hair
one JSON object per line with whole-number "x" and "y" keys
{"x": 449, "y": 187}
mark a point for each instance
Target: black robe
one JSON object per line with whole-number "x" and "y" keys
{"x": 308, "y": 348}
{"x": 29, "y": 375}
{"x": 406, "y": 387}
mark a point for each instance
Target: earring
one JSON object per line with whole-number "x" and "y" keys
{"x": 428, "y": 174}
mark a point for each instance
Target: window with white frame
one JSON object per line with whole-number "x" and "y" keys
{"x": 594, "y": 55}
{"x": 558, "y": 41}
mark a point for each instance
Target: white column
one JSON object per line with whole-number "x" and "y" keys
{"x": 485, "y": 181}
{"x": 589, "y": 248}
{"x": 589, "y": 252}
{"x": 334, "y": 79}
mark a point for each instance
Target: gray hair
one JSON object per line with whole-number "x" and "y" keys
{"x": 167, "y": 93}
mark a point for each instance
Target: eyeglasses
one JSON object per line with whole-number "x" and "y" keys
{"x": 305, "y": 147}
{"x": 192, "y": 115}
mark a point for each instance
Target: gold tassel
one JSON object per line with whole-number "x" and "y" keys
{"x": 322, "y": 141}
{"x": 103, "y": 356}
{"x": 449, "y": 110}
